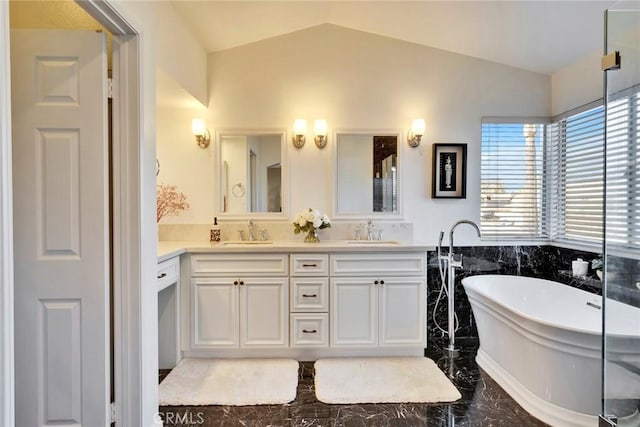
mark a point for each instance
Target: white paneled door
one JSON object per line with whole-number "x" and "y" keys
{"x": 61, "y": 227}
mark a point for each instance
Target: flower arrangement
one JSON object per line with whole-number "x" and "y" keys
{"x": 170, "y": 201}
{"x": 310, "y": 221}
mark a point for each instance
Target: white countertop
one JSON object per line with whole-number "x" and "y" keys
{"x": 170, "y": 249}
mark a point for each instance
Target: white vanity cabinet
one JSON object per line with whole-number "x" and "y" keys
{"x": 239, "y": 301}
{"x": 168, "y": 279}
{"x": 309, "y": 323}
{"x": 378, "y": 300}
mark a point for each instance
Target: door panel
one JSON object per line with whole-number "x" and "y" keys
{"x": 354, "y": 312}
{"x": 215, "y": 312}
{"x": 264, "y": 312}
{"x": 61, "y": 243}
{"x": 402, "y": 316}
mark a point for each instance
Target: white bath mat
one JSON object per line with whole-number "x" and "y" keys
{"x": 234, "y": 382}
{"x": 382, "y": 380}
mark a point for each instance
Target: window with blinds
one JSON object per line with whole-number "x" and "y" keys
{"x": 547, "y": 181}
{"x": 575, "y": 145}
{"x": 623, "y": 164}
{"x": 512, "y": 179}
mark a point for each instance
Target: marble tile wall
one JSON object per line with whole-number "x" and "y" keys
{"x": 545, "y": 262}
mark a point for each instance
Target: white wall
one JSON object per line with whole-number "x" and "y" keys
{"x": 357, "y": 80}
{"x": 184, "y": 164}
{"x": 176, "y": 49}
{"x": 577, "y": 84}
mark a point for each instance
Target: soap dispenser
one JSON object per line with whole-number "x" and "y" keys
{"x": 215, "y": 231}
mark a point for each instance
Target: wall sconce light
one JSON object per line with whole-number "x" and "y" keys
{"x": 320, "y": 127}
{"x": 200, "y": 131}
{"x": 299, "y": 129}
{"x": 416, "y": 132}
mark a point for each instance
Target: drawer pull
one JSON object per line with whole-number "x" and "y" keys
{"x": 309, "y": 331}
{"x": 160, "y": 276}
{"x": 309, "y": 265}
{"x": 309, "y": 295}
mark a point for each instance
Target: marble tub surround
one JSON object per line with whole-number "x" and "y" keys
{"x": 544, "y": 262}
{"x": 282, "y": 230}
{"x": 483, "y": 403}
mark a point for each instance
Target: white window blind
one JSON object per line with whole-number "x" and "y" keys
{"x": 512, "y": 179}
{"x": 623, "y": 180}
{"x": 576, "y": 163}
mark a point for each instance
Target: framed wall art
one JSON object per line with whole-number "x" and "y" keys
{"x": 449, "y": 171}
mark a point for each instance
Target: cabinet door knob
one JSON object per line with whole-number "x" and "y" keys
{"x": 382, "y": 282}
{"x": 375, "y": 283}
{"x": 160, "y": 276}
{"x": 235, "y": 283}
{"x": 309, "y": 331}
{"x": 309, "y": 295}
{"x": 241, "y": 283}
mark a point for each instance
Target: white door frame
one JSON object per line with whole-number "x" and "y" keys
{"x": 7, "y": 379}
{"x": 134, "y": 228}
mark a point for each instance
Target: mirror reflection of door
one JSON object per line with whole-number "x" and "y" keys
{"x": 249, "y": 165}
{"x": 367, "y": 173}
{"x": 384, "y": 166}
{"x": 274, "y": 186}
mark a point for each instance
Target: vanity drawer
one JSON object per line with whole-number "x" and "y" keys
{"x": 168, "y": 273}
{"x": 309, "y": 264}
{"x": 309, "y": 330}
{"x": 310, "y": 294}
{"x": 378, "y": 264}
{"x": 240, "y": 265}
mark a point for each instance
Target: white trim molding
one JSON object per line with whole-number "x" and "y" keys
{"x": 7, "y": 378}
{"x": 133, "y": 209}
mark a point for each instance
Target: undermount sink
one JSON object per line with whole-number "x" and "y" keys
{"x": 372, "y": 242}
{"x": 246, "y": 242}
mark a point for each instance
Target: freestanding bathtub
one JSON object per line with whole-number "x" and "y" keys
{"x": 541, "y": 341}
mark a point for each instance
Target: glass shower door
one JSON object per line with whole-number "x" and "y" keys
{"x": 621, "y": 281}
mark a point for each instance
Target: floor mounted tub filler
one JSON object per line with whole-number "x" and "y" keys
{"x": 541, "y": 341}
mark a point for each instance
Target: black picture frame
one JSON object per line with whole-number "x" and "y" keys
{"x": 449, "y": 178}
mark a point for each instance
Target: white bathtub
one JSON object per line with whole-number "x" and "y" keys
{"x": 541, "y": 341}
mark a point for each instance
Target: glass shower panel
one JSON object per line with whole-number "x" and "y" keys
{"x": 621, "y": 288}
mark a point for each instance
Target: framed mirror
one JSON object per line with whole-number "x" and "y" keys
{"x": 252, "y": 171}
{"x": 367, "y": 174}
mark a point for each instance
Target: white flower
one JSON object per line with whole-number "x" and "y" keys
{"x": 301, "y": 220}
{"x": 317, "y": 222}
{"x": 310, "y": 215}
{"x": 325, "y": 219}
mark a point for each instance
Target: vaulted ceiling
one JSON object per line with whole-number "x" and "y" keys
{"x": 540, "y": 36}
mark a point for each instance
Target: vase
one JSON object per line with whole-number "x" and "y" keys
{"x": 312, "y": 236}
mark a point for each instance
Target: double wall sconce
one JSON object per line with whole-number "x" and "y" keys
{"x": 200, "y": 131}
{"x": 415, "y": 134}
{"x": 300, "y": 129}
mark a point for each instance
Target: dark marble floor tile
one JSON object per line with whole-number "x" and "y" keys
{"x": 483, "y": 403}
